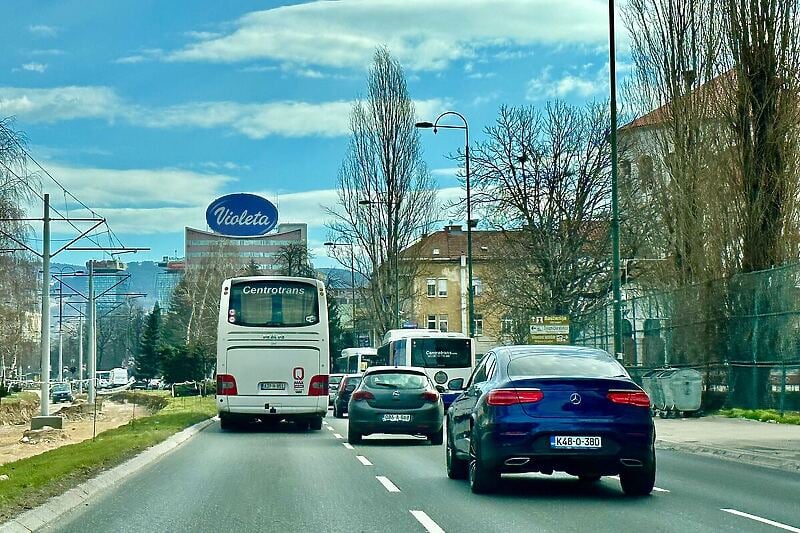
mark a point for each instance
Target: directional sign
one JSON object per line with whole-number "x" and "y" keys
{"x": 550, "y": 330}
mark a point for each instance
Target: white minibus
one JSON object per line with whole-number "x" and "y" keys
{"x": 272, "y": 351}
{"x": 444, "y": 356}
{"x": 355, "y": 360}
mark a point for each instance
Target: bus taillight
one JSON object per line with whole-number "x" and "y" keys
{"x": 226, "y": 385}
{"x": 318, "y": 386}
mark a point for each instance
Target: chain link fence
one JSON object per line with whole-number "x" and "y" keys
{"x": 741, "y": 333}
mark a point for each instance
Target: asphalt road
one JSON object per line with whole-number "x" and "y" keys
{"x": 286, "y": 480}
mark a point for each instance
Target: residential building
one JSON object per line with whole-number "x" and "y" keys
{"x": 263, "y": 249}
{"x": 440, "y": 299}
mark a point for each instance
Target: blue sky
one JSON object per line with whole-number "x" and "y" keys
{"x": 149, "y": 110}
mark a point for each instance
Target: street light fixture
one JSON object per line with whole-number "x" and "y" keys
{"x": 435, "y": 125}
{"x": 334, "y": 244}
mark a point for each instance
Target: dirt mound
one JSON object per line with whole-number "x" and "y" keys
{"x": 18, "y": 412}
{"x": 45, "y": 434}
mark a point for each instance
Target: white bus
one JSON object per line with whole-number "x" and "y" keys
{"x": 444, "y": 356}
{"x": 355, "y": 360}
{"x": 272, "y": 351}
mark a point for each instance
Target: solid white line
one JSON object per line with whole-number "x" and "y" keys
{"x": 427, "y": 522}
{"x": 391, "y": 487}
{"x": 657, "y": 489}
{"x": 364, "y": 461}
{"x": 762, "y": 520}
{"x": 337, "y": 436}
{"x": 348, "y": 445}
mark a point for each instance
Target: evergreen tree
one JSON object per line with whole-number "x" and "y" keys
{"x": 148, "y": 361}
{"x": 338, "y": 337}
{"x": 251, "y": 269}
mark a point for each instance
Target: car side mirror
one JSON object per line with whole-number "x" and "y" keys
{"x": 440, "y": 389}
{"x": 456, "y": 384}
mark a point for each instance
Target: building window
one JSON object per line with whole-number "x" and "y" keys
{"x": 506, "y": 326}
{"x": 645, "y": 168}
{"x": 443, "y": 323}
{"x": 442, "y": 288}
{"x": 431, "y": 321}
{"x": 477, "y": 287}
{"x": 431, "y": 287}
{"x": 478, "y": 327}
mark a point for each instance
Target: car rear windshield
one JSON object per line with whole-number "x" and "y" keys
{"x": 565, "y": 365}
{"x": 335, "y": 380}
{"x": 273, "y": 304}
{"x": 441, "y": 353}
{"x": 396, "y": 380}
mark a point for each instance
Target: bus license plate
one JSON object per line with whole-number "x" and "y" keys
{"x": 273, "y": 385}
{"x": 573, "y": 442}
{"x": 396, "y": 418}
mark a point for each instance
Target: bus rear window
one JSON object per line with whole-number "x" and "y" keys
{"x": 273, "y": 304}
{"x": 441, "y": 353}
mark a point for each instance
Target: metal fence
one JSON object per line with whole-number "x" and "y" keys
{"x": 742, "y": 333}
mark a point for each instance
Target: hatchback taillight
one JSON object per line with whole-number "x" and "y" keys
{"x": 363, "y": 395}
{"x": 226, "y": 385}
{"x": 629, "y": 397}
{"x": 513, "y": 396}
{"x": 318, "y": 386}
{"x": 430, "y": 396}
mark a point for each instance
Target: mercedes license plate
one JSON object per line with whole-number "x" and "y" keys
{"x": 272, "y": 385}
{"x": 575, "y": 442}
{"x": 396, "y": 418}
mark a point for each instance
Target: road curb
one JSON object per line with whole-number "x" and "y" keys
{"x": 741, "y": 456}
{"x": 55, "y": 507}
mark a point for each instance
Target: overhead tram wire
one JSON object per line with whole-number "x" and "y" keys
{"x": 59, "y": 213}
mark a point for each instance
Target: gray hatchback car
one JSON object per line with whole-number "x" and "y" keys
{"x": 395, "y": 400}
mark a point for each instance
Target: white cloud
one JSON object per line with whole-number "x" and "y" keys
{"x": 254, "y": 120}
{"x": 447, "y": 172}
{"x": 35, "y": 67}
{"x": 61, "y": 103}
{"x": 43, "y": 30}
{"x": 104, "y": 188}
{"x": 423, "y": 35}
{"x": 48, "y": 52}
{"x": 584, "y": 85}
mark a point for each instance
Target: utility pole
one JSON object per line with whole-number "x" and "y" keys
{"x": 90, "y": 324}
{"x": 60, "y": 331}
{"x": 80, "y": 355}
{"x": 44, "y": 337}
{"x": 615, "y": 259}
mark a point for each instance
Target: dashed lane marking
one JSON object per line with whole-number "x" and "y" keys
{"x": 762, "y": 520}
{"x": 386, "y": 482}
{"x": 337, "y": 436}
{"x": 427, "y": 522}
{"x": 330, "y": 428}
{"x": 348, "y": 445}
{"x": 363, "y": 460}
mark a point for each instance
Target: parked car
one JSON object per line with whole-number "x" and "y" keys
{"x": 61, "y": 392}
{"x": 141, "y": 384}
{"x": 333, "y": 385}
{"x": 396, "y": 400}
{"x": 343, "y": 393}
{"x": 551, "y": 408}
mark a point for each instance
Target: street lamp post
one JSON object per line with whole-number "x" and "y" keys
{"x": 470, "y": 290}
{"x": 352, "y": 277}
{"x": 615, "y": 254}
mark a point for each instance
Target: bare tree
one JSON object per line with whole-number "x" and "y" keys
{"x": 544, "y": 178}
{"x": 293, "y": 259}
{"x": 387, "y": 196}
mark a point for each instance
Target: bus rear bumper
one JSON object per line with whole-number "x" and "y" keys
{"x": 273, "y": 405}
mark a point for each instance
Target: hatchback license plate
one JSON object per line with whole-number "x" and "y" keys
{"x": 573, "y": 442}
{"x": 273, "y": 385}
{"x": 396, "y": 418}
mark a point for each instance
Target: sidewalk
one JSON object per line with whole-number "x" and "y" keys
{"x": 747, "y": 441}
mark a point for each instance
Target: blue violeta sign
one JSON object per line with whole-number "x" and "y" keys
{"x": 241, "y": 215}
